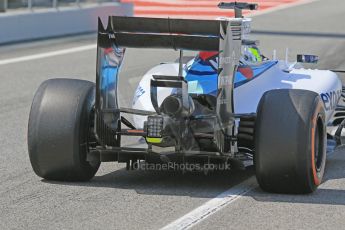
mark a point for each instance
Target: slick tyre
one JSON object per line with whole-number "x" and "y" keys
{"x": 58, "y": 130}
{"x": 290, "y": 141}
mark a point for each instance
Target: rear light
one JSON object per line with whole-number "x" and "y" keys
{"x": 154, "y": 126}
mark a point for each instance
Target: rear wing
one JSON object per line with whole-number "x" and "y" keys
{"x": 223, "y": 36}
{"x": 164, "y": 33}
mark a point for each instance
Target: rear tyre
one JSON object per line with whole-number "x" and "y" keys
{"x": 290, "y": 141}
{"x": 58, "y": 130}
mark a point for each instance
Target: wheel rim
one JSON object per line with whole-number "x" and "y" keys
{"x": 318, "y": 153}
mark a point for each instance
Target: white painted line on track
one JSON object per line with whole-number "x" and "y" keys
{"x": 48, "y": 54}
{"x": 212, "y": 206}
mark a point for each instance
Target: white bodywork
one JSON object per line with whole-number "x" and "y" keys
{"x": 247, "y": 96}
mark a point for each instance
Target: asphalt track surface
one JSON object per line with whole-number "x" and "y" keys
{"x": 120, "y": 199}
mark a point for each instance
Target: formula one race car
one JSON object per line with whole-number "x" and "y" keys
{"x": 229, "y": 103}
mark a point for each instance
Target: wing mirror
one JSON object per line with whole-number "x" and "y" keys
{"x": 306, "y": 58}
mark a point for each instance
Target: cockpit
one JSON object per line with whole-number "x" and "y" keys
{"x": 201, "y": 73}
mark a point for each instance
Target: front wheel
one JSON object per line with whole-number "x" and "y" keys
{"x": 290, "y": 141}
{"x": 58, "y": 130}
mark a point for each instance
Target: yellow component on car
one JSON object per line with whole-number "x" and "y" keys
{"x": 256, "y": 53}
{"x": 154, "y": 140}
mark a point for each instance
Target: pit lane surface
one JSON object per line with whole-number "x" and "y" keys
{"x": 120, "y": 199}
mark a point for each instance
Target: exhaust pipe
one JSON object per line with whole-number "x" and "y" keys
{"x": 173, "y": 106}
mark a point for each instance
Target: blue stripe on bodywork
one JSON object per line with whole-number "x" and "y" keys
{"x": 205, "y": 75}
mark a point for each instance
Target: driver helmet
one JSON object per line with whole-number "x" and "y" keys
{"x": 251, "y": 54}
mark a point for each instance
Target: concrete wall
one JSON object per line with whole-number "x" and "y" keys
{"x": 21, "y": 26}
